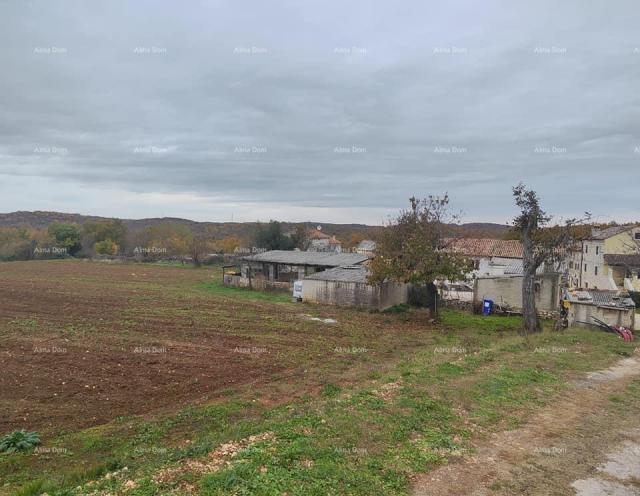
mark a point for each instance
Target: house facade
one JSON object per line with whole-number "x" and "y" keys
{"x": 593, "y": 262}
{"x": 491, "y": 257}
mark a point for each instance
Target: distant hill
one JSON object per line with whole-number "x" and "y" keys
{"x": 40, "y": 220}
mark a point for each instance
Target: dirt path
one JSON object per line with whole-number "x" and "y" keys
{"x": 578, "y": 444}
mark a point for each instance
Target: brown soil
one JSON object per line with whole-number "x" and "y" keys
{"x": 82, "y": 343}
{"x": 95, "y": 353}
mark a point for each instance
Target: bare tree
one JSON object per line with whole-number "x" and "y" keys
{"x": 542, "y": 244}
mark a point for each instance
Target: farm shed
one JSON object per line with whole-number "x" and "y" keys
{"x": 506, "y": 291}
{"x": 612, "y": 307}
{"x": 348, "y": 286}
{"x": 278, "y": 269}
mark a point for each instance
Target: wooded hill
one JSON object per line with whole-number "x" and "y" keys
{"x": 244, "y": 230}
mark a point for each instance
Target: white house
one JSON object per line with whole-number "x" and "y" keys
{"x": 491, "y": 257}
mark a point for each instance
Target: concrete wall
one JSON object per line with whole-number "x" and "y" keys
{"x": 352, "y": 294}
{"x": 582, "y": 312}
{"x": 507, "y": 291}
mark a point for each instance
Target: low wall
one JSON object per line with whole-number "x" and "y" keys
{"x": 354, "y": 294}
{"x": 258, "y": 283}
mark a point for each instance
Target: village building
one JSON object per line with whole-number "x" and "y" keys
{"x": 490, "y": 257}
{"x": 320, "y": 241}
{"x": 278, "y": 269}
{"x": 366, "y": 247}
{"x": 593, "y": 263}
{"x": 348, "y": 286}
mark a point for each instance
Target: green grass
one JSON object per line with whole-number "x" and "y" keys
{"x": 491, "y": 323}
{"x": 218, "y": 289}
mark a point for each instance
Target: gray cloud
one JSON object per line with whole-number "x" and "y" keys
{"x": 325, "y": 110}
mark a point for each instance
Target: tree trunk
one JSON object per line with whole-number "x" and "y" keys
{"x": 529, "y": 267}
{"x": 529, "y": 312}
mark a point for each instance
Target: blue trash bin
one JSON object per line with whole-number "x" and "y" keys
{"x": 487, "y": 307}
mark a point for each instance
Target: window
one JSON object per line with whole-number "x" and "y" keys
{"x": 637, "y": 235}
{"x": 597, "y": 249}
{"x": 585, "y": 267}
{"x": 596, "y": 269}
{"x": 586, "y": 248}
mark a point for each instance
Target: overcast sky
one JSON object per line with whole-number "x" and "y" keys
{"x": 318, "y": 110}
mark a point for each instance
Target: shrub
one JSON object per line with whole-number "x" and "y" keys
{"x": 19, "y": 441}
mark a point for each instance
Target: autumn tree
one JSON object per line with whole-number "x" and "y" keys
{"x": 229, "y": 244}
{"x": 107, "y": 237}
{"x": 412, "y": 247}
{"x": 542, "y": 244}
{"x": 66, "y": 236}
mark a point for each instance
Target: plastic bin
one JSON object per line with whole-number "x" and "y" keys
{"x": 487, "y": 307}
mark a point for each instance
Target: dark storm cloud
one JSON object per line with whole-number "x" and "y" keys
{"x": 352, "y": 106}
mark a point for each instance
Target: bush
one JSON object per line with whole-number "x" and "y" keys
{"x": 19, "y": 441}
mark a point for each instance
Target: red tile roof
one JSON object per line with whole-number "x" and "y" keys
{"x": 317, "y": 234}
{"x": 479, "y": 247}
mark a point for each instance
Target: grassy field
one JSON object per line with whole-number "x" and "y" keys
{"x": 145, "y": 380}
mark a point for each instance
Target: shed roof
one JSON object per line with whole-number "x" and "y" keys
{"x": 609, "y": 299}
{"x": 516, "y": 267}
{"x": 480, "y": 247}
{"x": 350, "y": 273}
{"x": 319, "y": 258}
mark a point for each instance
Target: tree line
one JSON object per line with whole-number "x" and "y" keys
{"x": 111, "y": 237}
